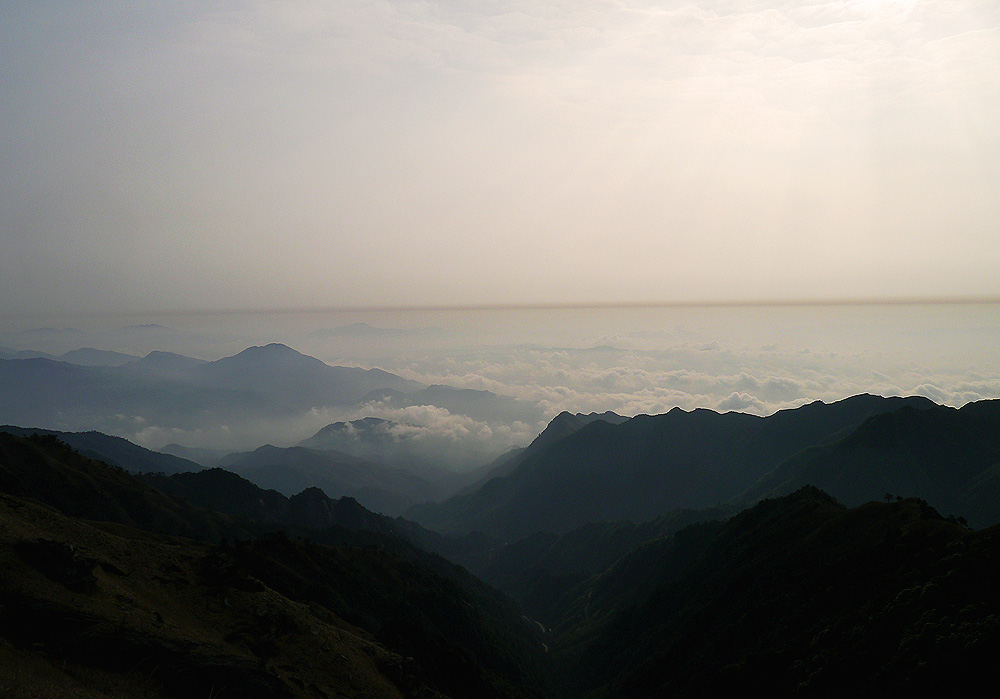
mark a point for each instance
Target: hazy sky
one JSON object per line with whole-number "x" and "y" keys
{"x": 315, "y": 153}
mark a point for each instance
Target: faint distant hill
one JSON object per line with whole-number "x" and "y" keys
{"x": 367, "y": 437}
{"x": 88, "y": 356}
{"x": 202, "y": 456}
{"x": 166, "y": 390}
{"x": 260, "y": 394}
{"x": 436, "y": 457}
{"x": 6, "y": 353}
{"x": 647, "y": 466}
{"x": 164, "y": 364}
{"x": 290, "y": 470}
{"x": 291, "y": 378}
{"x": 85, "y": 356}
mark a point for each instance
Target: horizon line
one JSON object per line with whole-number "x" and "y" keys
{"x": 526, "y": 306}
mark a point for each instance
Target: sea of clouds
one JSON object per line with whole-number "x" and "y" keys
{"x": 631, "y": 361}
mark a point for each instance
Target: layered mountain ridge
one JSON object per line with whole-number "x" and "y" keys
{"x": 641, "y": 468}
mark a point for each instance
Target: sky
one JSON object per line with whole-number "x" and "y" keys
{"x": 310, "y": 154}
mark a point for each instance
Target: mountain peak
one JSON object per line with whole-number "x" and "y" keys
{"x": 566, "y": 423}
{"x": 274, "y": 349}
{"x": 272, "y": 355}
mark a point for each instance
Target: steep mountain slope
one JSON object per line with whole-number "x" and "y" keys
{"x": 113, "y": 450}
{"x": 270, "y": 616}
{"x": 308, "y": 512}
{"x": 646, "y": 466}
{"x": 540, "y": 571}
{"x": 562, "y": 425}
{"x": 800, "y": 596}
{"x": 42, "y": 468}
{"x": 949, "y": 456}
{"x": 89, "y": 612}
{"x": 565, "y": 423}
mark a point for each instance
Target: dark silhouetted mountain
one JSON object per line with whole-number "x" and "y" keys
{"x": 229, "y": 493}
{"x": 308, "y": 513}
{"x": 645, "y": 467}
{"x": 562, "y": 425}
{"x": 98, "y": 608}
{"x": 44, "y": 469}
{"x": 565, "y": 424}
{"x": 541, "y": 570}
{"x": 800, "y": 596}
{"x": 226, "y": 492}
{"x": 113, "y": 450}
{"x": 950, "y": 457}
{"x": 795, "y": 595}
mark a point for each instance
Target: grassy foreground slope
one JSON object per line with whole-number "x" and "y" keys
{"x": 108, "y": 608}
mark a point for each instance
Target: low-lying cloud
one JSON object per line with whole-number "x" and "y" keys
{"x": 750, "y": 360}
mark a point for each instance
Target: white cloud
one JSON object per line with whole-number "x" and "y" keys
{"x": 742, "y": 402}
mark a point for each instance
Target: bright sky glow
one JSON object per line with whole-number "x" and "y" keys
{"x": 308, "y": 153}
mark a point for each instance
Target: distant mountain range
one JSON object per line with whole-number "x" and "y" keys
{"x": 85, "y": 356}
{"x": 860, "y": 448}
{"x": 172, "y": 391}
{"x": 233, "y": 398}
